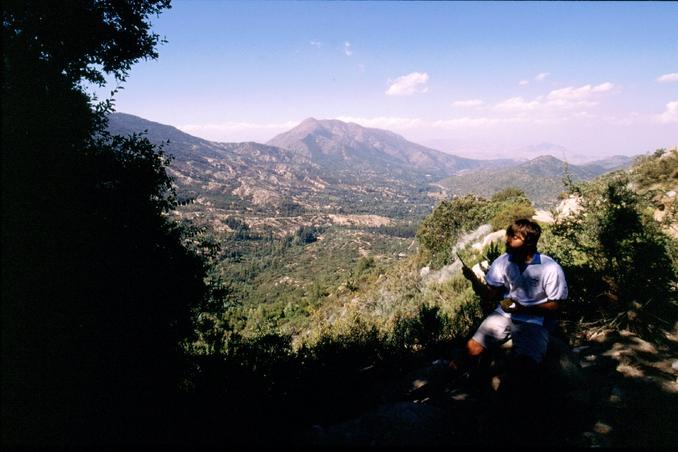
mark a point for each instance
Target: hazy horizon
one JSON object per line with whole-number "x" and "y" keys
{"x": 477, "y": 79}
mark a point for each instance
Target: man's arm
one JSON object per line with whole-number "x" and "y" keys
{"x": 485, "y": 291}
{"x": 550, "y": 308}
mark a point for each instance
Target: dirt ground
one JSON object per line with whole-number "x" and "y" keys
{"x": 607, "y": 389}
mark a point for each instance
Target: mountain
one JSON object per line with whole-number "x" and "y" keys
{"x": 265, "y": 181}
{"x": 225, "y": 175}
{"x": 327, "y": 167}
{"x": 540, "y": 178}
{"x": 537, "y": 150}
{"x": 612, "y": 163}
{"x": 349, "y": 145}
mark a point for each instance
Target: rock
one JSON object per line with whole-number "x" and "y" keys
{"x": 561, "y": 365}
{"x": 399, "y": 424}
{"x": 420, "y": 383}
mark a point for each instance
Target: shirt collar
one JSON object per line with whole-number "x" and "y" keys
{"x": 536, "y": 259}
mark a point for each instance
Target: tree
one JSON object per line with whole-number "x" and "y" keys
{"x": 98, "y": 291}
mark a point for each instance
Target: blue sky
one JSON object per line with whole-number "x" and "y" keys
{"x": 480, "y": 79}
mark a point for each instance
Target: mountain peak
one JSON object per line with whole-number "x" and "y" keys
{"x": 309, "y": 120}
{"x": 350, "y": 145}
{"x": 545, "y": 158}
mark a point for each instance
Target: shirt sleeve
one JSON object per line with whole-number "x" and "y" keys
{"x": 495, "y": 274}
{"x": 555, "y": 284}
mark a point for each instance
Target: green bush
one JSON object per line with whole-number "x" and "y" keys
{"x": 616, "y": 256}
{"x": 510, "y": 212}
{"x": 440, "y": 230}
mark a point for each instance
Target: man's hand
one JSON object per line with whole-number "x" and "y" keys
{"x": 469, "y": 274}
{"x": 488, "y": 294}
{"x": 510, "y": 306}
{"x": 549, "y": 308}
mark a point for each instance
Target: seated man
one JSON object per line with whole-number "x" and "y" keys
{"x": 532, "y": 285}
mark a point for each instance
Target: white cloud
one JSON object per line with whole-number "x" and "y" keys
{"x": 576, "y": 97}
{"x": 467, "y": 103}
{"x": 523, "y": 82}
{"x": 603, "y": 87}
{"x": 581, "y": 93}
{"x": 409, "y": 84}
{"x": 482, "y": 121}
{"x": 385, "y": 122}
{"x": 347, "y": 49}
{"x": 542, "y": 76}
{"x": 557, "y": 106}
{"x": 673, "y": 77}
{"x": 518, "y": 104}
{"x": 316, "y": 44}
{"x": 670, "y": 114}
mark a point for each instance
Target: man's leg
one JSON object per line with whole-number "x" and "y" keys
{"x": 522, "y": 392}
{"x": 494, "y": 330}
{"x": 469, "y": 356}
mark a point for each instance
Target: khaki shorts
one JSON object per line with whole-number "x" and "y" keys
{"x": 529, "y": 339}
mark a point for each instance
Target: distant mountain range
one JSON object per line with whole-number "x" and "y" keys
{"x": 333, "y": 166}
{"x": 540, "y": 178}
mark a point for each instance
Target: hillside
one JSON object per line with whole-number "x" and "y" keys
{"x": 370, "y": 367}
{"x": 540, "y": 178}
{"x": 265, "y": 181}
{"x": 352, "y": 146}
{"x": 611, "y": 383}
{"x": 324, "y": 167}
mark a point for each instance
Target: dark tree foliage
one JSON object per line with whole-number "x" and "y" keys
{"x": 97, "y": 289}
{"x": 616, "y": 257}
{"x": 307, "y": 234}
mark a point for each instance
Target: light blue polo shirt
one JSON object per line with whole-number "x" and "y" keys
{"x": 541, "y": 280}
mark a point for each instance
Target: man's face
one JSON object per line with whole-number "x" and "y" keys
{"x": 515, "y": 245}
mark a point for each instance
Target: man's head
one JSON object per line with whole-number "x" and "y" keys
{"x": 521, "y": 238}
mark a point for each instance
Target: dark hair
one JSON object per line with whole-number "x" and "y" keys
{"x": 529, "y": 230}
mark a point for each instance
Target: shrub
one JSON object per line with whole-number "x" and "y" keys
{"x": 440, "y": 230}
{"x": 510, "y": 212}
{"x": 615, "y": 255}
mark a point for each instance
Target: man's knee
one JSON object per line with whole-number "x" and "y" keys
{"x": 474, "y": 348}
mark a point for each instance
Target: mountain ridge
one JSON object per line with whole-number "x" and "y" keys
{"x": 340, "y": 143}
{"x": 541, "y": 178}
{"x": 330, "y": 164}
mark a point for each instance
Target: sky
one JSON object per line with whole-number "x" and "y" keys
{"x": 477, "y": 79}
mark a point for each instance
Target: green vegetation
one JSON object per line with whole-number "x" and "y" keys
{"x": 511, "y": 204}
{"x": 389, "y": 319}
{"x": 658, "y": 169}
{"x": 278, "y": 282}
{"x": 439, "y": 232}
{"x": 617, "y": 256}
{"x": 541, "y": 179}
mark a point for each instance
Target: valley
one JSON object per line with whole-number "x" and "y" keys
{"x": 323, "y": 208}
